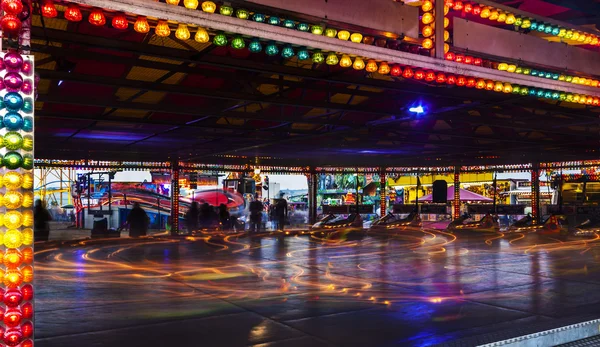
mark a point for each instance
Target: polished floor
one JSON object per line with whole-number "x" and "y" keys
{"x": 411, "y": 289}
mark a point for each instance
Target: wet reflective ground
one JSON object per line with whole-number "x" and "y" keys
{"x": 412, "y": 289}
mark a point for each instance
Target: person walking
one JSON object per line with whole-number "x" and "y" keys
{"x": 192, "y": 217}
{"x": 281, "y": 211}
{"x": 256, "y": 209}
{"x": 41, "y": 217}
{"x": 138, "y": 221}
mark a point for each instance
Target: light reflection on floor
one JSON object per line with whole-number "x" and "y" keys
{"x": 408, "y": 288}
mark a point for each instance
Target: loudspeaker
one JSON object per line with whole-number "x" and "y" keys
{"x": 440, "y": 191}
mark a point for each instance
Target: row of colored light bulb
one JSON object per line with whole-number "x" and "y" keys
{"x": 499, "y": 16}
{"x": 119, "y": 21}
{"x": 513, "y": 68}
{"x": 17, "y": 272}
{"x": 14, "y": 14}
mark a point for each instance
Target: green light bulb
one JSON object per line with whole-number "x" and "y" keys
{"x": 287, "y": 52}
{"x": 259, "y": 17}
{"x": 318, "y": 57}
{"x": 12, "y": 160}
{"x": 516, "y": 89}
{"x": 242, "y": 14}
{"x": 220, "y": 40}
{"x": 330, "y": 32}
{"x": 290, "y": 24}
{"x": 274, "y": 20}
{"x": 563, "y": 97}
{"x": 332, "y": 59}
{"x": 524, "y": 91}
{"x": 238, "y": 43}
{"x": 255, "y": 46}
{"x": 28, "y": 143}
{"x": 13, "y": 140}
{"x": 226, "y": 10}
{"x": 317, "y": 30}
{"x": 303, "y": 27}
{"x": 272, "y": 49}
{"x": 303, "y": 54}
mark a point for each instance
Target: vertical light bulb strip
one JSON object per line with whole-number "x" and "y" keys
{"x": 17, "y": 198}
{"x": 427, "y": 24}
{"x": 456, "y": 197}
{"x": 382, "y": 192}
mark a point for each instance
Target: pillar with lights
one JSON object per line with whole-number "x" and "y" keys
{"x": 175, "y": 198}
{"x": 312, "y": 197}
{"x": 456, "y": 197}
{"x": 535, "y": 193}
{"x": 382, "y": 192}
{"x": 16, "y": 173}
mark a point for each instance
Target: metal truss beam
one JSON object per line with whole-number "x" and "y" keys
{"x": 269, "y": 32}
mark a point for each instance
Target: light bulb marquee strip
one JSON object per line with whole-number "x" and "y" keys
{"x": 523, "y": 21}
{"x": 297, "y": 38}
{"x": 524, "y": 70}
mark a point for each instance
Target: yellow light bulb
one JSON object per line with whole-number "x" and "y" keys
{"x": 182, "y": 32}
{"x": 494, "y": 15}
{"x": 498, "y": 87}
{"x": 356, "y": 38}
{"x": 427, "y": 31}
{"x": 427, "y": 18}
{"x": 511, "y": 19}
{"x": 13, "y": 238}
{"x": 503, "y": 66}
{"x": 13, "y": 180}
{"x": 27, "y": 180}
{"x": 511, "y": 68}
{"x": 446, "y": 35}
{"x": 202, "y": 35}
{"x": 28, "y": 218}
{"x": 428, "y": 43}
{"x": 27, "y": 200}
{"x": 446, "y": 22}
{"x": 191, "y": 4}
{"x": 13, "y": 199}
{"x": 13, "y": 219}
{"x": 371, "y": 66}
{"x": 485, "y": 13}
{"x": 501, "y": 17}
{"x": 446, "y": 48}
{"x": 575, "y": 36}
{"x": 162, "y": 29}
{"x": 346, "y": 61}
{"x": 507, "y": 88}
{"x": 384, "y": 68}
{"x": 344, "y": 35}
{"x": 359, "y": 64}
{"x": 27, "y": 236}
{"x": 427, "y": 6}
{"x": 209, "y": 6}
{"x": 172, "y": 2}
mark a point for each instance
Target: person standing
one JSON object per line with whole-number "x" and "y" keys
{"x": 224, "y": 217}
{"x": 281, "y": 211}
{"x": 256, "y": 209}
{"x": 192, "y": 217}
{"x": 41, "y": 217}
{"x": 138, "y": 221}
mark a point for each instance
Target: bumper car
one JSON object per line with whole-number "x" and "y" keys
{"x": 551, "y": 226}
{"x": 353, "y": 221}
{"x": 487, "y": 224}
{"x": 392, "y": 221}
{"x": 588, "y": 228}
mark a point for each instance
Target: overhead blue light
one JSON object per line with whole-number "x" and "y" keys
{"x": 417, "y": 109}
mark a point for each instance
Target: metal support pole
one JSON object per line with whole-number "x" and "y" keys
{"x": 439, "y": 29}
{"x": 535, "y": 193}
{"x": 456, "y": 197}
{"x": 382, "y": 192}
{"x": 175, "y": 198}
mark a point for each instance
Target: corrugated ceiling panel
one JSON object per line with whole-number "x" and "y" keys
{"x": 150, "y": 97}
{"x": 138, "y": 73}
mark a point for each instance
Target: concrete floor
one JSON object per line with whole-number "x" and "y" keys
{"x": 414, "y": 289}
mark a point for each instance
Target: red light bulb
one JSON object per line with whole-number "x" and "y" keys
{"x": 451, "y": 80}
{"x": 27, "y": 291}
{"x": 408, "y": 73}
{"x": 27, "y": 343}
{"x": 461, "y": 81}
{"x": 10, "y": 24}
{"x": 477, "y": 10}
{"x": 13, "y": 7}
{"x": 27, "y": 330}
{"x": 441, "y": 78}
{"x": 477, "y": 61}
{"x": 449, "y": 3}
{"x": 396, "y": 71}
{"x": 27, "y": 68}
{"x": 120, "y": 22}
{"x": 469, "y": 60}
{"x": 12, "y": 337}
{"x": 13, "y": 298}
{"x": 73, "y": 13}
{"x": 419, "y": 75}
{"x": 48, "y": 9}
{"x": 471, "y": 82}
{"x": 458, "y": 6}
{"x": 489, "y": 85}
{"x": 450, "y": 56}
{"x": 97, "y": 18}
{"x": 27, "y": 310}
{"x": 430, "y": 76}
{"x": 460, "y": 58}
{"x": 12, "y": 317}
{"x": 468, "y": 8}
